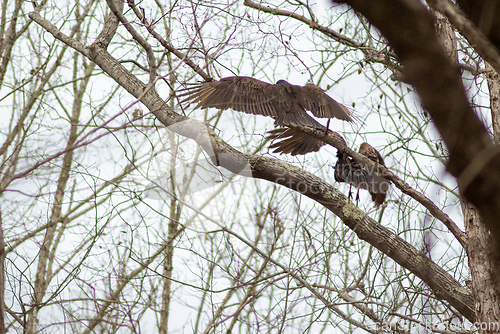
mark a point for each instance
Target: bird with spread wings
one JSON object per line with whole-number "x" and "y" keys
{"x": 284, "y": 102}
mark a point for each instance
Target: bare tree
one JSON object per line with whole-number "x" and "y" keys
{"x": 125, "y": 210}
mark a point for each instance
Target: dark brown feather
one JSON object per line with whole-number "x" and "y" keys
{"x": 371, "y": 153}
{"x": 244, "y": 94}
{"x": 294, "y": 142}
{"x": 284, "y": 102}
{"x": 313, "y": 98}
{"x": 350, "y": 171}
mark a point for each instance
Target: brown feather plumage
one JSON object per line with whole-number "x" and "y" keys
{"x": 350, "y": 171}
{"x": 313, "y": 98}
{"x": 284, "y": 102}
{"x": 243, "y": 94}
{"x": 293, "y": 141}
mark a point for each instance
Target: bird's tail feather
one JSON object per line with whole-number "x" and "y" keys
{"x": 294, "y": 142}
{"x": 378, "y": 198}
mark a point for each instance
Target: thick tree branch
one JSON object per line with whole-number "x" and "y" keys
{"x": 110, "y": 26}
{"x": 137, "y": 37}
{"x": 49, "y": 27}
{"x": 335, "y": 140}
{"x": 493, "y": 78}
{"x": 331, "y": 138}
{"x": 481, "y": 263}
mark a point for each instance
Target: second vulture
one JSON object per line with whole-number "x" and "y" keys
{"x": 284, "y": 102}
{"x": 350, "y": 171}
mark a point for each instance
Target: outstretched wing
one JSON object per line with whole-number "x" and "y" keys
{"x": 313, "y": 98}
{"x": 244, "y": 94}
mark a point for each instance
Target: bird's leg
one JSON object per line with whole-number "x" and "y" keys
{"x": 350, "y": 192}
{"x": 327, "y": 126}
{"x": 357, "y": 198}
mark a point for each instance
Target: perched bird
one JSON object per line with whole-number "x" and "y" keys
{"x": 350, "y": 171}
{"x": 284, "y": 102}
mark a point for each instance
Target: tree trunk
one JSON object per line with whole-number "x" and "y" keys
{"x": 480, "y": 256}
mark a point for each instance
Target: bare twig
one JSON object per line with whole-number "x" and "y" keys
{"x": 166, "y": 44}
{"x": 473, "y": 159}
{"x": 371, "y": 54}
{"x": 332, "y": 138}
{"x": 138, "y": 38}
{"x": 2, "y": 277}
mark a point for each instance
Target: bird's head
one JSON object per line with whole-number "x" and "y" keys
{"x": 285, "y": 84}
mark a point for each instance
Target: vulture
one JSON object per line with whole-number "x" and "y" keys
{"x": 350, "y": 171}
{"x": 284, "y": 102}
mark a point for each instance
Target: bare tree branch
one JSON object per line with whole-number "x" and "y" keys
{"x": 138, "y": 38}
{"x": 168, "y": 46}
{"x": 111, "y": 225}
{"x": 110, "y": 25}
{"x": 371, "y": 54}
{"x": 2, "y": 277}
